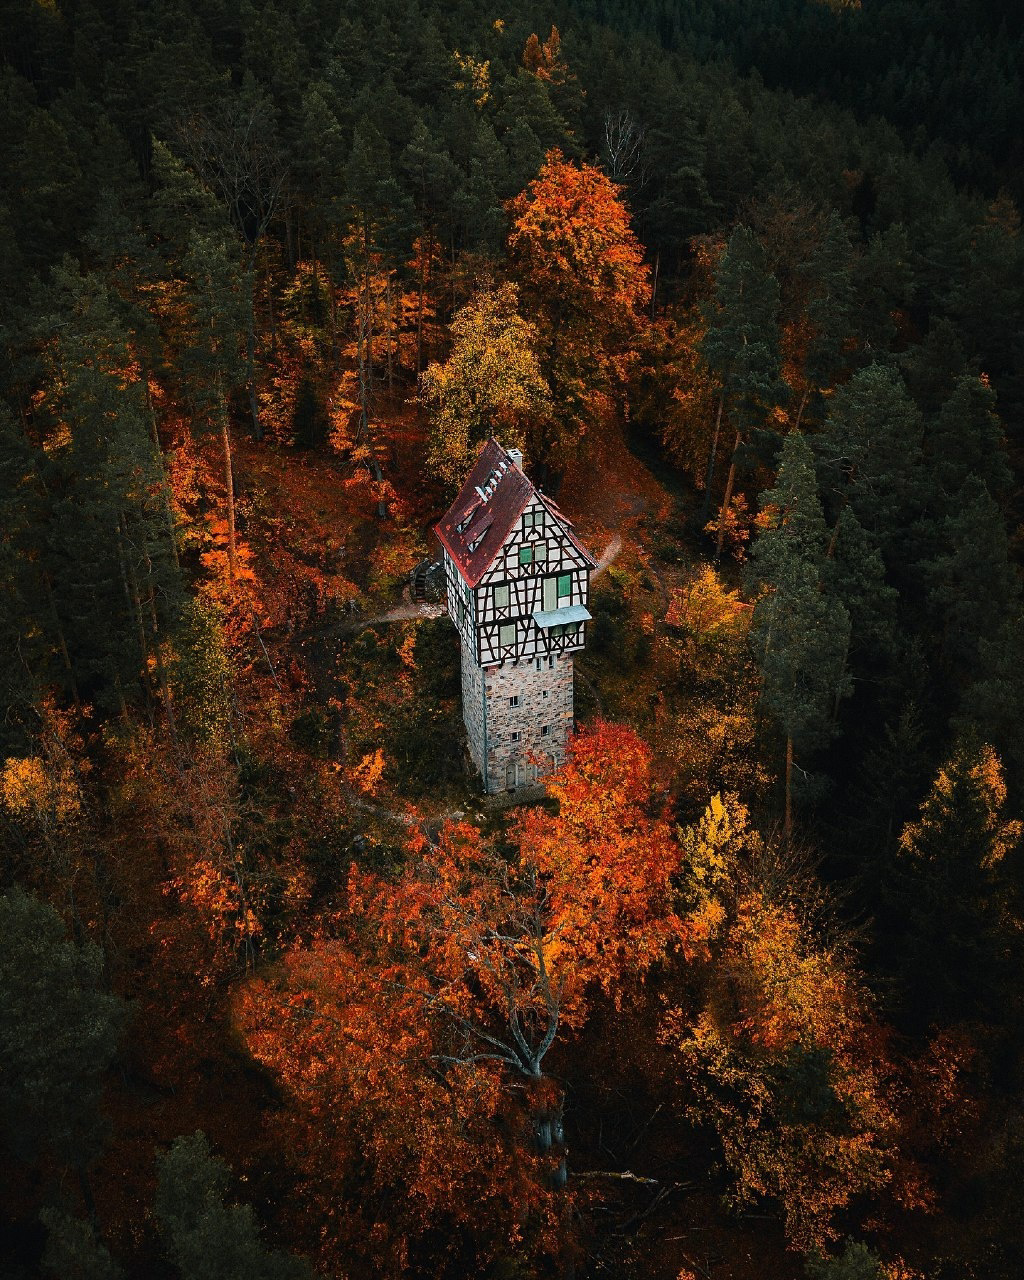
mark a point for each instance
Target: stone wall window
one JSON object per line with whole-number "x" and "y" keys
{"x": 516, "y": 735}
{"x": 514, "y": 700}
{"x": 545, "y": 731}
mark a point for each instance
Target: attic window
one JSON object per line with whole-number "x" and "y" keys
{"x": 477, "y": 540}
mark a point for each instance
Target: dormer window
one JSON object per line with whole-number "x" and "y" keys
{"x": 476, "y": 541}
{"x": 533, "y": 520}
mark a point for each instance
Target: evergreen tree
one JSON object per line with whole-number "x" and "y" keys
{"x": 800, "y": 634}
{"x": 741, "y": 347}
{"x": 972, "y": 585}
{"x": 207, "y": 1238}
{"x": 871, "y": 450}
{"x": 949, "y": 893}
{"x": 829, "y": 309}
{"x": 966, "y": 440}
{"x": 59, "y": 1031}
{"x": 73, "y": 1251}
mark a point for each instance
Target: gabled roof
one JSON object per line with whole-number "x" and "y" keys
{"x": 475, "y": 527}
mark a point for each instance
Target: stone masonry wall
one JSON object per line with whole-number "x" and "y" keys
{"x": 545, "y": 701}
{"x": 473, "y": 707}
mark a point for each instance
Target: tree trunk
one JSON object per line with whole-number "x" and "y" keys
{"x": 165, "y": 485}
{"x": 419, "y": 314}
{"x": 250, "y": 349}
{"x": 654, "y": 283}
{"x": 229, "y": 484}
{"x": 830, "y": 553}
{"x": 789, "y": 791}
{"x": 709, "y": 479}
{"x": 131, "y": 594}
{"x": 727, "y": 497}
{"x": 803, "y": 405}
{"x": 390, "y": 336}
{"x": 549, "y": 1132}
{"x": 66, "y": 657}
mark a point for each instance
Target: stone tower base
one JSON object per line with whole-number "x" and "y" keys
{"x": 541, "y": 716}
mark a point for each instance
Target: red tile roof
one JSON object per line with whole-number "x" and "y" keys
{"x": 488, "y": 508}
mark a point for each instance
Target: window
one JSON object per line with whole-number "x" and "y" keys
{"x": 545, "y": 730}
{"x": 557, "y": 592}
{"x": 551, "y": 664}
{"x": 544, "y": 692}
{"x": 564, "y": 629}
{"x": 533, "y": 520}
{"x": 501, "y": 597}
{"x": 516, "y": 735}
{"x": 507, "y": 635}
{"x": 535, "y": 554}
{"x": 514, "y": 700}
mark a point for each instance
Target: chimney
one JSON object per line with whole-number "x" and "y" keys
{"x": 517, "y": 457}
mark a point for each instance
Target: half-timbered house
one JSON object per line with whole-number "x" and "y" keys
{"x": 517, "y": 583}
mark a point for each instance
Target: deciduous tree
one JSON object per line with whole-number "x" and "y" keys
{"x": 583, "y": 280}
{"x": 490, "y": 384}
{"x": 458, "y": 982}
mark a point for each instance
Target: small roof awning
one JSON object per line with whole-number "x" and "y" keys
{"x": 545, "y": 618}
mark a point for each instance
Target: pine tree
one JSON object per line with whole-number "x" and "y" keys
{"x": 800, "y": 634}
{"x": 829, "y": 309}
{"x": 871, "y": 456}
{"x": 207, "y": 1238}
{"x": 59, "y": 1031}
{"x": 966, "y": 440}
{"x": 949, "y": 890}
{"x": 741, "y": 347}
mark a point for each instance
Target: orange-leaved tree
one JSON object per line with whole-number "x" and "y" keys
{"x": 416, "y": 1047}
{"x": 584, "y": 281}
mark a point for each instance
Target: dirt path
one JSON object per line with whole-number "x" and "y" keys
{"x": 608, "y": 555}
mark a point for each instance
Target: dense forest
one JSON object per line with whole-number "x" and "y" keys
{"x": 281, "y": 993}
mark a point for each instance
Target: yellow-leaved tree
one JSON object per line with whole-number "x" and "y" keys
{"x": 491, "y": 384}
{"x": 778, "y": 1048}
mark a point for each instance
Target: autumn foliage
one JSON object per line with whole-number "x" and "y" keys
{"x": 447, "y": 989}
